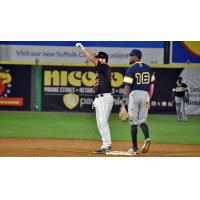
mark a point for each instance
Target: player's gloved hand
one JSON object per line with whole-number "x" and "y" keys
{"x": 124, "y": 101}
{"x": 123, "y": 114}
{"x": 79, "y": 45}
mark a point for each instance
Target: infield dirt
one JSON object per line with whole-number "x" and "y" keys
{"x": 28, "y": 147}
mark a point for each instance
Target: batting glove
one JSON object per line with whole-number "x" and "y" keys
{"x": 124, "y": 101}
{"x": 79, "y": 45}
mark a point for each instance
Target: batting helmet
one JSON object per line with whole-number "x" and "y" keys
{"x": 103, "y": 55}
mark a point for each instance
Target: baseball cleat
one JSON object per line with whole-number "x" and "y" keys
{"x": 146, "y": 145}
{"x": 103, "y": 150}
{"x": 132, "y": 151}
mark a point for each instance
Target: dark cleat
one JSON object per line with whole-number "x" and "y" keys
{"x": 103, "y": 150}
{"x": 133, "y": 151}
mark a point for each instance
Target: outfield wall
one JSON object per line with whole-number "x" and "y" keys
{"x": 69, "y": 87}
{"x": 65, "y": 51}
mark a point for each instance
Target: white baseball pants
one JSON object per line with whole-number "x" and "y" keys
{"x": 103, "y": 105}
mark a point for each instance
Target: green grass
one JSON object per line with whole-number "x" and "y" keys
{"x": 163, "y": 128}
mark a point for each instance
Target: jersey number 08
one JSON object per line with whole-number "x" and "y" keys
{"x": 142, "y": 78}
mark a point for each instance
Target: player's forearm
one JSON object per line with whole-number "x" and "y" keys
{"x": 88, "y": 54}
{"x": 126, "y": 91}
{"x": 124, "y": 101}
{"x": 151, "y": 91}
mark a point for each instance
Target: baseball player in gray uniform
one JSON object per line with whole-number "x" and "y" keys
{"x": 139, "y": 86}
{"x": 180, "y": 96}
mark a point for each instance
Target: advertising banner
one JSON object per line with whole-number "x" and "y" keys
{"x": 162, "y": 97}
{"x": 166, "y": 80}
{"x": 192, "y": 78}
{"x": 71, "y": 88}
{"x": 66, "y": 52}
{"x": 15, "y": 87}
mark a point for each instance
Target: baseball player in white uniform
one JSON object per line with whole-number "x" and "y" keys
{"x": 103, "y": 102}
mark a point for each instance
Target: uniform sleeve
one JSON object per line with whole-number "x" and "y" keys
{"x": 153, "y": 79}
{"x": 101, "y": 67}
{"x": 128, "y": 78}
{"x": 184, "y": 85}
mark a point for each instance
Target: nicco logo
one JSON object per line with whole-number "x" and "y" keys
{"x": 193, "y": 47}
{"x": 77, "y": 78}
{"x": 5, "y": 90}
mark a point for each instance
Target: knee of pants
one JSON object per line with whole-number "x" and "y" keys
{"x": 133, "y": 121}
{"x": 133, "y": 118}
{"x": 142, "y": 121}
{"x": 178, "y": 110}
{"x": 182, "y": 108}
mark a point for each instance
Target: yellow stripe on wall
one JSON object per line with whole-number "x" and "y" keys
{"x": 92, "y": 65}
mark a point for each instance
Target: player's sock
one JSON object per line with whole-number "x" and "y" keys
{"x": 145, "y": 130}
{"x": 134, "y": 136}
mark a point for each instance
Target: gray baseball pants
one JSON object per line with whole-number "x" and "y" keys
{"x": 180, "y": 109}
{"x": 138, "y": 107}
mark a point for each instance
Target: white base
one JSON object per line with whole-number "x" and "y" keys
{"x": 120, "y": 153}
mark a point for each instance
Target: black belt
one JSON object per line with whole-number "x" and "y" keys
{"x": 100, "y": 95}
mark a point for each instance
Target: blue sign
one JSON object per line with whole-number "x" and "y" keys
{"x": 182, "y": 52}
